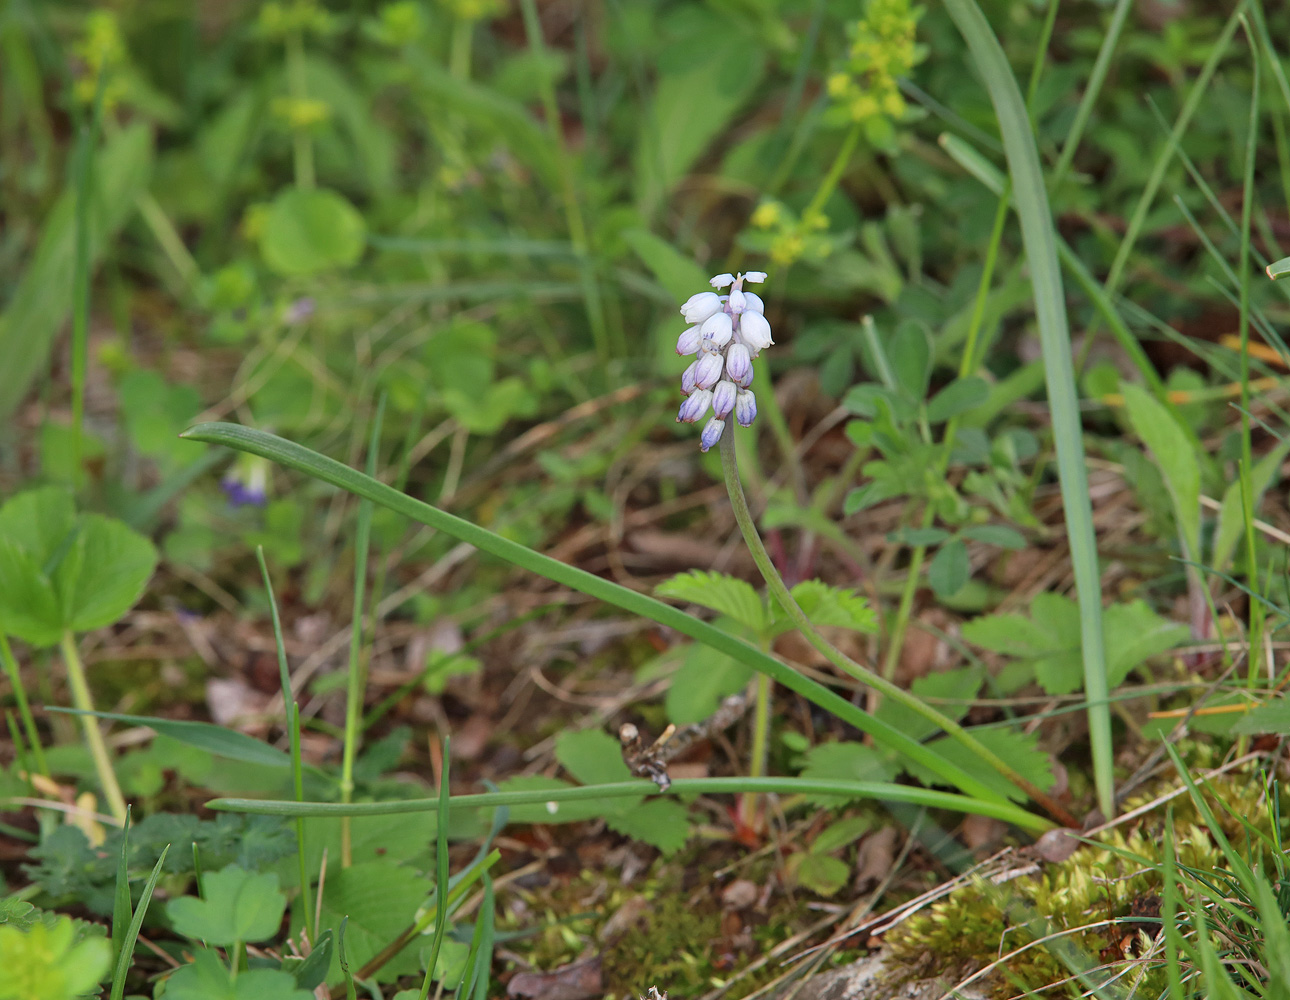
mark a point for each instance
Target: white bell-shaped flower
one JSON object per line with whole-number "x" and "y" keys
{"x": 699, "y": 307}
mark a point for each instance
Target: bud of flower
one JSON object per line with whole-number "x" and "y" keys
{"x": 694, "y": 407}
{"x": 718, "y": 328}
{"x": 739, "y": 364}
{"x": 711, "y": 433}
{"x": 757, "y": 277}
{"x": 708, "y": 370}
{"x": 753, "y": 303}
{"x": 738, "y": 302}
{"x": 755, "y": 332}
{"x": 723, "y": 398}
{"x": 688, "y": 342}
{"x": 721, "y": 280}
{"x": 687, "y": 378}
{"x": 699, "y": 307}
{"x": 745, "y": 407}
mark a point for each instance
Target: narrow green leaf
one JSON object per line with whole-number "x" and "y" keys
{"x": 679, "y": 275}
{"x": 202, "y": 735}
{"x": 958, "y": 397}
{"x": 1279, "y": 269}
{"x": 1172, "y": 451}
{"x": 950, "y": 569}
{"x": 1231, "y": 513}
{"x": 126, "y": 954}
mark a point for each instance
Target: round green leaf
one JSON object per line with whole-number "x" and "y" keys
{"x": 308, "y": 230}
{"x": 28, "y": 605}
{"x": 104, "y": 573}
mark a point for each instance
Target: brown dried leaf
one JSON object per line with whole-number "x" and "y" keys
{"x": 577, "y": 981}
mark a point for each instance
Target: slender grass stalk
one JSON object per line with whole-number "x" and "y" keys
{"x": 775, "y": 584}
{"x": 292, "y": 710}
{"x": 83, "y": 181}
{"x": 132, "y": 932}
{"x": 90, "y": 725}
{"x": 568, "y": 185}
{"x": 463, "y": 33}
{"x": 1257, "y": 618}
{"x": 24, "y": 707}
{"x": 879, "y": 790}
{"x": 328, "y": 470}
{"x": 302, "y": 144}
{"x": 1040, "y": 244}
{"x": 1091, "y": 90}
{"x": 830, "y": 181}
{"x": 441, "y": 872}
{"x": 760, "y": 746}
{"x": 357, "y": 681}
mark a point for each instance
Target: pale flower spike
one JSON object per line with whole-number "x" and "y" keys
{"x": 727, "y": 332}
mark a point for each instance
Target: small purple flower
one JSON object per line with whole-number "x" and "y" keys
{"x": 739, "y": 364}
{"x": 694, "y": 407}
{"x": 699, "y": 307}
{"x": 708, "y": 370}
{"x": 745, "y": 407}
{"x": 723, "y": 398}
{"x": 711, "y": 433}
{"x": 246, "y": 484}
{"x": 688, "y": 342}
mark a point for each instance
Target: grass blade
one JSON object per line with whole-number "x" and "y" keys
{"x": 132, "y": 934}
{"x": 441, "y": 872}
{"x": 328, "y": 470}
{"x": 1040, "y": 244}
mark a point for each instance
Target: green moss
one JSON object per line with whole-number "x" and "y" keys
{"x": 979, "y": 923}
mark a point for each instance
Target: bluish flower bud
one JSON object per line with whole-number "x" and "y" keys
{"x": 247, "y": 483}
{"x": 721, "y": 280}
{"x": 723, "y": 398}
{"x": 707, "y": 371}
{"x": 745, "y": 407}
{"x": 687, "y": 378}
{"x": 694, "y": 407}
{"x": 699, "y": 307}
{"x": 688, "y": 342}
{"x": 718, "y": 328}
{"x": 755, "y": 332}
{"x": 711, "y": 433}
{"x": 739, "y": 364}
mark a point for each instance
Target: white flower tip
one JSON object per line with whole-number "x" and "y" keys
{"x": 754, "y": 276}
{"x": 722, "y": 280}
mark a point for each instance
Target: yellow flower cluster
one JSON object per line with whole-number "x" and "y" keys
{"x": 281, "y": 20}
{"x": 301, "y": 113}
{"x": 792, "y": 238}
{"x": 102, "y": 51}
{"x": 882, "y": 50}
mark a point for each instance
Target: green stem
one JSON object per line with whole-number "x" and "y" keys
{"x": 459, "y": 50}
{"x": 833, "y": 176}
{"x": 93, "y": 736}
{"x": 303, "y": 147}
{"x": 761, "y": 730}
{"x": 568, "y": 185}
{"x": 775, "y": 584}
{"x": 24, "y": 708}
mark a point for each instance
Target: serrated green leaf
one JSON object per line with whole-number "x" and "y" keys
{"x": 660, "y": 822}
{"x": 1135, "y": 633}
{"x": 950, "y": 569}
{"x": 380, "y": 899}
{"x": 1020, "y": 750}
{"x": 45, "y": 961}
{"x": 845, "y": 762}
{"x": 39, "y": 522}
{"x": 591, "y": 756}
{"x": 828, "y": 605}
{"x": 206, "y": 978}
{"x": 958, "y": 687}
{"x": 723, "y": 594}
{"x": 703, "y": 681}
{"x": 958, "y": 397}
{"x": 236, "y": 906}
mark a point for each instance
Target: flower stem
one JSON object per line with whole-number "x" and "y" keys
{"x": 775, "y": 584}
{"x": 24, "y": 707}
{"x": 834, "y": 175}
{"x": 303, "y": 147}
{"x": 93, "y": 736}
{"x": 761, "y": 732}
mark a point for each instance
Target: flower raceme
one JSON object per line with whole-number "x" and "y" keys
{"x": 727, "y": 332}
